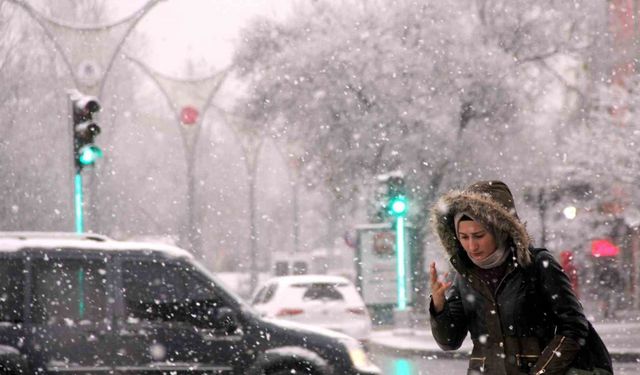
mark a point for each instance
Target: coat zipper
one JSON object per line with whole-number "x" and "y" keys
{"x": 510, "y": 269}
{"x": 542, "y": 369}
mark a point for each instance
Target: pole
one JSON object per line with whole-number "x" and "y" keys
{"x": 253, "y": 232}
{"x": 75, "y": 43}
{"x": 78, "y": 203}
{"x": 296, "y": 215}
{"x": 542, "y": 210}
{"x": 201, "y": 93}
{"x": 192, "y": 234}
{"x": 401, "y": 264}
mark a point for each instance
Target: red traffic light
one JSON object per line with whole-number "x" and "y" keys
{"x": 84, "y": 106}
{"x": 89, "y": 104}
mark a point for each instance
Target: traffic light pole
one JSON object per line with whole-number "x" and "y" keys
{"x": 401, "y": 264}
{"x": 89, "y": 52}
{"x": 78, "y": 201}
{"x": 85, "y": 153}
{"x": 398, "y": 207}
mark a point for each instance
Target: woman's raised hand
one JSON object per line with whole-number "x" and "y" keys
{"x": 438, "y": 288}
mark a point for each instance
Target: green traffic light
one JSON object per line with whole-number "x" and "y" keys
{"x": 89, "y": 154}
{"x": 398, "y": 206}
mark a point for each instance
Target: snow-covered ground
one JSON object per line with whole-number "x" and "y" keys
{"x": 621, "y": 339}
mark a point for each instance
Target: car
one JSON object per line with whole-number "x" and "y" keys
{"x": 86, "y": 304}
{"x": 330, "y": 302}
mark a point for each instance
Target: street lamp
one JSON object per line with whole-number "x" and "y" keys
{"x": 570, "y": 212}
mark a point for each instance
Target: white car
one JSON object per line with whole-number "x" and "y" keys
{"x": 330, "y": 302}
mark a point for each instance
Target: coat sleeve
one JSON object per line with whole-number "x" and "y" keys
{"x": 566, "y": 312}
{"x": 449, "y": 327}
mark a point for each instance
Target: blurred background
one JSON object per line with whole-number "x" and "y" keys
{"x": 249, "y": 132}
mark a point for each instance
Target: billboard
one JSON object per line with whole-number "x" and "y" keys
{"x": 377, "y": 268}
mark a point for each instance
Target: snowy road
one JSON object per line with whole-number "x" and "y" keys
{"x": 391, "y": 365}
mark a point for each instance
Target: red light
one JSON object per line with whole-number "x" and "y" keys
{"x": 356, "y": 310}
{"x": 189, "y": 115}
{"x": 603, "y": 248}
{"x": 289, "y": 312}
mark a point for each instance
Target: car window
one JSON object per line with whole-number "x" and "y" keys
{"x": 69, "y": 290}
{"x": 265, "y": 294}
{"x": 259, "y": 296}
{"x": 148, "y": 282}
{"x": 270, "y": 292}
{"x": 11, "y": 290}
{"x": 197, "y": 286}
{"x": 158, "y": 290}
{"x": 322, "y": 291}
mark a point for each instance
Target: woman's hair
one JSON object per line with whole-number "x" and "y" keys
{"x": 464, "y": 218}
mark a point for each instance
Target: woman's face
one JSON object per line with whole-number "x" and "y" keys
{"x": 478, "y": 242}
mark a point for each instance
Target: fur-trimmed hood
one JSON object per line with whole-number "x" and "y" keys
{"x": 491, "y": 203}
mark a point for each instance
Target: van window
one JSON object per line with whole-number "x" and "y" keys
{"x": 69, "y": 291}
{"x": 158, "y": 290}
{"x": 11, "y": 290}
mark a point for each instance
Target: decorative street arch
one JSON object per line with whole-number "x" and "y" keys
{"x": 195, "y": 94}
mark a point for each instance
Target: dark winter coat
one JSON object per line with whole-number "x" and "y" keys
{"x": 533, "y": 323}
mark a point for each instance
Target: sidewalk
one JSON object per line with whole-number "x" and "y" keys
{"x": 622, "y": 340}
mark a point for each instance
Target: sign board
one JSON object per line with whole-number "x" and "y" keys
{"x": 377, "y": 268}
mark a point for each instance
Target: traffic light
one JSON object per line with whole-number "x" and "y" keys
{"x": 397, "y": 203}
{"x": 398, "y": 206}
{"x": 85, "y": 130}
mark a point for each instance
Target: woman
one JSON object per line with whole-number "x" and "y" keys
{"x": 515, "y": 301}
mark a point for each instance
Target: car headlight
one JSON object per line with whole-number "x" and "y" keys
{"x": 359, "y": 358}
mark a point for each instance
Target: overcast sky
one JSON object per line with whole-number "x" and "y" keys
{"x": 179, "y": 30}
{"x": 201, "y": 30}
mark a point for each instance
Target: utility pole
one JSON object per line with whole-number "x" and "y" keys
{"x": 250, "y": 139}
